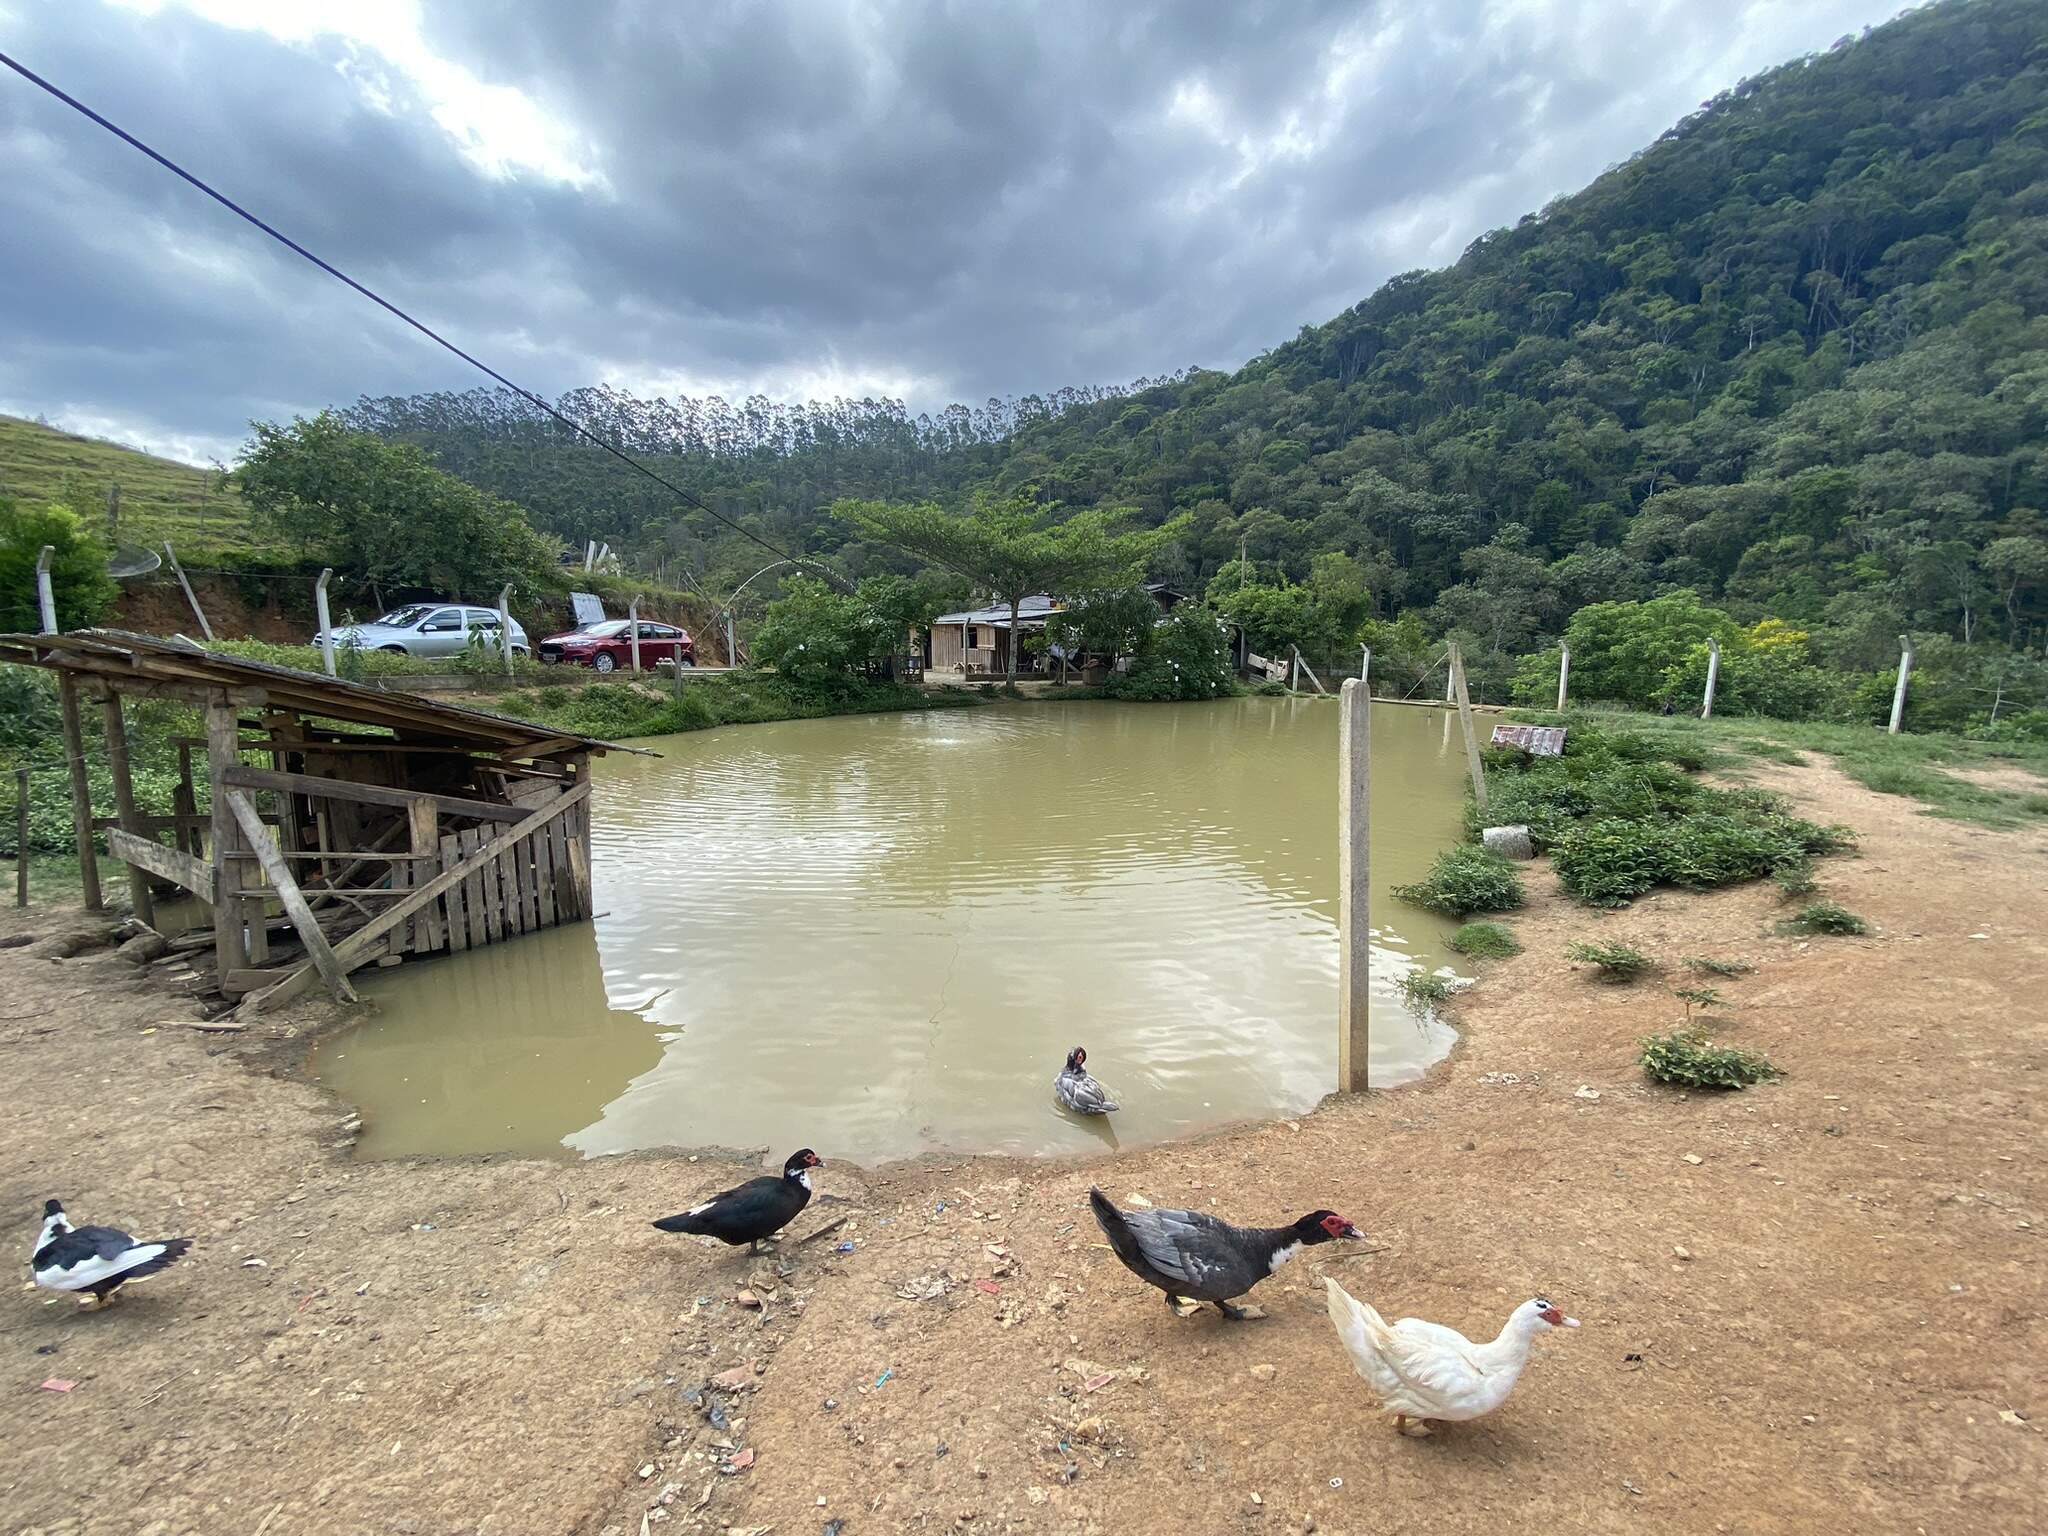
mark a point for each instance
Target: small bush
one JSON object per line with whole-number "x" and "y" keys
{"x": 1485, "y": 941}
{"x": 1466, "y": 879}
{"x": 1796, "y": 879}
{"x": 1616, "y": 962}
{"x": 1425, "y": 989}
{"x": 1685, "y": 1059}
{"x": 1712, "y": 967}
{"x": 1827, "y": 917}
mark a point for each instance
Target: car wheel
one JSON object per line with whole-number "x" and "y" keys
{"x": 396, "y": 650}
{"x": 604, "y": 662}
{"x": 521, "y": 652}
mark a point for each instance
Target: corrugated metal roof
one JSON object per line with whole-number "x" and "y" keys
{"x": 1036, "y": 607}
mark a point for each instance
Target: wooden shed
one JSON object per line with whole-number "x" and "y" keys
{"x": 345, "y": 823}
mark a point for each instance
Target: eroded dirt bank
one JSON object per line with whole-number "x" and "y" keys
{"x": 502, "y": 1346}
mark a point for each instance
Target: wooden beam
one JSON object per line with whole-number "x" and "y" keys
{"x": 356, "y": 948}
{"x": 124, "y": 804}
{"x": 81, "y": 790}
{"x": 223, "y": 741}
{"x": 280, "y": 876}
{"x": 370, "y": 794}
{"x": 179, "y": 868}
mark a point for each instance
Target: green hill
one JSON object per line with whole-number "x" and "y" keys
{"x": 160, "y": 498}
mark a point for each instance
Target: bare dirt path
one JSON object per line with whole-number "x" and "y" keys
{"x": 504, "y": 1346}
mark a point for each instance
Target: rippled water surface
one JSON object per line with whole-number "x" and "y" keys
{"x": 879, "y": 936}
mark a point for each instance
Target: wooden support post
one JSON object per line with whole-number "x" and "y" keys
{"x": 124, "y": 805}
{"x": 198, "y": 612}
{"x": 230, "y": 947}
{"x": 280, "y": 876}
{"x": 1354, "y": 888}
{"x": 185, "y": 802}
{"x": 579, "y": 844}
{"x": 21, "y": 837}
{"x": 1713, "y": 677}
{"x": 1899, "y": 693}
{"x": 423, "y": 838}
{"x": 81, "y": 791}
{"x": 1471, "y": 736}
{"x": 1564, "y": 674}
{"x": 326, "y": 624}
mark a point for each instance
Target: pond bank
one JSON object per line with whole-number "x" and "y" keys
{"x": 501, "y": 1345}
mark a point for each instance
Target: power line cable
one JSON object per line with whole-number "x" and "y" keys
{"x": 425, "y": 330}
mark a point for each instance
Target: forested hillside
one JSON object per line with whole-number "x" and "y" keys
{"x": 1792, "y": 357}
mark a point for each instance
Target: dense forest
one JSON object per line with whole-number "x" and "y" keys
{"x": 1791, "y": 358}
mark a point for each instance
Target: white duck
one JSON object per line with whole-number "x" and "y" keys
{"x": 1426, "y": 1371}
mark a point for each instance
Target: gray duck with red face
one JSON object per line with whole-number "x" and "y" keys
{"x": 1078, "y": 1091}
{"x": 1201, "y": 1257}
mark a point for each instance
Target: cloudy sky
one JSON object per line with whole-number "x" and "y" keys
{"x": 932, "y": 201}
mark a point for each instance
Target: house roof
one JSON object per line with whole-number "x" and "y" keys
{"x": 1034, "y": 607}
{"x": 141, "y": 664}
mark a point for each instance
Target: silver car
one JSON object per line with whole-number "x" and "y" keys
{"x": 429, "y": 629}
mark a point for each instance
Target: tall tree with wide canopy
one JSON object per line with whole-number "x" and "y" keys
{"x": 1013, "y": 547}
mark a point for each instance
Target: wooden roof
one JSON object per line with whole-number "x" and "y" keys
{"x": 145, "y": 665}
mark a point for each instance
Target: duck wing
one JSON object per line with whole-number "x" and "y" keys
{"x": 1208, "y": 1258}
{"x": 83, "y": 1257}
{"x": 1083, "y": 1094}
{"x": 1421, "y": 1369}
{"x": 725, "y": 1205}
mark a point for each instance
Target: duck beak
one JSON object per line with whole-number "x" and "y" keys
{"x": 1351, "y": 1230}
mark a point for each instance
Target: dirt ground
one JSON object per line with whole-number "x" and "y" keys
{"x": 1852, "y": 1338}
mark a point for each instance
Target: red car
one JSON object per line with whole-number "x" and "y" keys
{"x": 609, "y": 646}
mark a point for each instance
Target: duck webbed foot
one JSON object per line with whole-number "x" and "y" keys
{"x": 1236, "y": 1314}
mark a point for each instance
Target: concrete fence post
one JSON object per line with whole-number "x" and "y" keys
{"x": 1354, "y": 888}
{"x": 732, "y": 645}
{"x": 46, "y": 600}
{"x": 633, "y": 620}
{"x": 198, "y": 612}
{"x": 1899, "y": 693}
{"x": 1713, "y": 677}
{"x": 1564, "y": 674}
{"x": 505, "y": 625}
{"x": 326, "y": 624}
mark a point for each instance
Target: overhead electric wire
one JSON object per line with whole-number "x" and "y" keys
{"x": 425, "y": 330}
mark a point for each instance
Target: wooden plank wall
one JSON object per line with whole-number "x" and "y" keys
{"x": 535, "y": 882}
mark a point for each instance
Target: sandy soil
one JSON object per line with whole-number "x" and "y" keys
{"x": 506, "y": 1346}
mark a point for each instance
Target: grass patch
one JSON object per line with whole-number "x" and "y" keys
{"x": 1614, "y": 962}
{"x": 1466, "y": 879}
{"x": 1707, "y": 965}
{"x": 1424, "y": 990}
{"x": 1486, "y": 941}
{"x": 615, "y": 711}
{"x": 1826, "y": 917}
{"x": 1684, "y": 1059}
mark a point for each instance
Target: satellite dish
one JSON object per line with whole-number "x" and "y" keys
{"x": 128, "y": 562}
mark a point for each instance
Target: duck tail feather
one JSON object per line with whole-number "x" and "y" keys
{"x": 1111, "y": 1220}
{"x": 172, "y": 1250}
{"x": 690, "y": 1221}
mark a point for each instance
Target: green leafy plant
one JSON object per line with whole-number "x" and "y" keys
{"x": 1826, "y": 917}
{"x": 1424, "y": 990}
{"x": 1685, "y": 1059}
{"x": 1486, "y": 941}
{"x": 1615, "y": 962}
{"x": 1466, "y": 879}
{"x": 1708, "y": 965}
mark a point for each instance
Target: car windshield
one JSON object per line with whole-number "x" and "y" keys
{"x": 609, "y": 627}
{"x": 405, "y": 618}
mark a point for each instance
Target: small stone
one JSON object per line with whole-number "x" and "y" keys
{"x": 1089, "y": 1428}
{"x": 1694, "y": 1158}
{"x": 748, "y": 1299}
{"x": 1807, "y": 1418}
{"x": 1257, "y": 1500}
{"x": 1590, "y": 1095}
{"x": 1678, "y": 1251}
{"x": 646, "y": 1470}
{"x": 2009, "y": 1416}
{"x": 1264, "y": 1372}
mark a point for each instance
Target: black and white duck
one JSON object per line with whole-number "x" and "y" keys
{"x": 754, "y": 1210}
{"x": 1077, "y": 1091}
{"x": 1192, "y": 1254}
{"x": 95, "y": 1260}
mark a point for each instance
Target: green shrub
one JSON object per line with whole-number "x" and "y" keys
{"x": 1486, "y": 941}
{"x": 1796, "y": 879}
{"x": 1186, "y": 656}
{"x": 1616, "y": 962}
{"x": 1713, "y": 967}
{"x": 1425, "y": 989}
{"x": 1466, "y": 879}
{"x": 1683, "y": 1058}
{"x": 1610, "y": 862}
{"x": 1698, "y": 997}
{"x": 1827, "y": 917}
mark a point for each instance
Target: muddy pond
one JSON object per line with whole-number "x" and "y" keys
{"x": 879, "y": 936}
